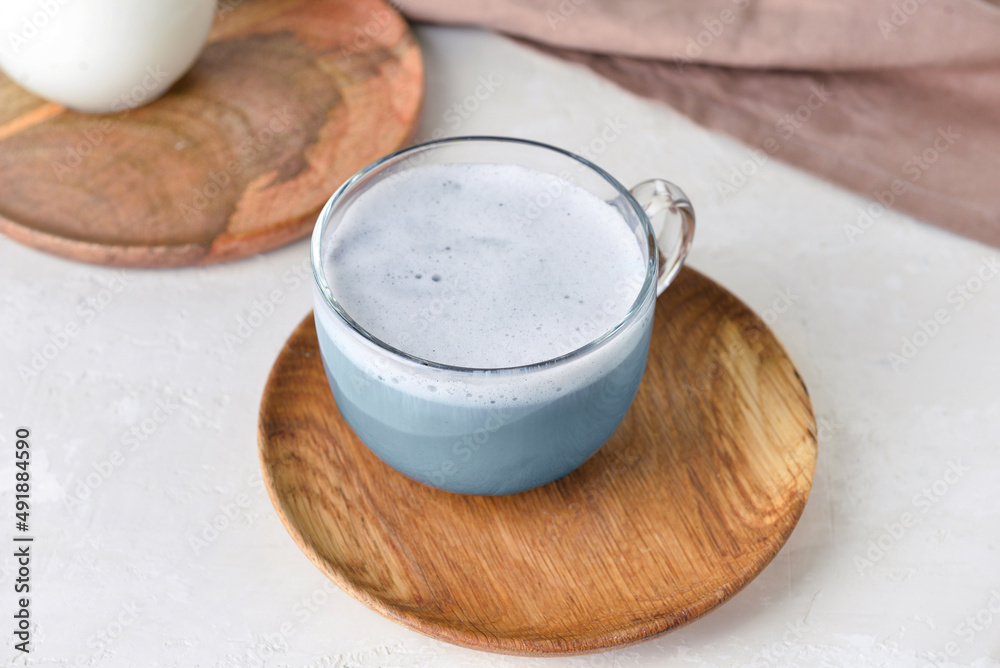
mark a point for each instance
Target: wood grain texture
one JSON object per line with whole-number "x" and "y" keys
{"x": 288, "y": 100}
{"x": 694, "y": 494}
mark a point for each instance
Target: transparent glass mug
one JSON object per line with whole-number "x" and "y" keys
{"x": 394, "y": 400}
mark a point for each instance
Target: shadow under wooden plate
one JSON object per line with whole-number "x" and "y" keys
{"x": 288, "y": 100}
{"x": 693, "y": 495}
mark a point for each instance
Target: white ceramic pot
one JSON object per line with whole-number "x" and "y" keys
{"x": 101, "y": 55}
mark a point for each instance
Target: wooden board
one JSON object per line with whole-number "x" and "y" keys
{"x": 689, "y": 500}
{"x": 288, "y": 100}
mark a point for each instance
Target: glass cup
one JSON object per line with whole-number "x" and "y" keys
{"x": 501, "y": 447}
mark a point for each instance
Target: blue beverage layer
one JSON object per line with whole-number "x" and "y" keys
{"x": 474, "y": 449}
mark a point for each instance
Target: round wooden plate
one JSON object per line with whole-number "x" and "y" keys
{"x": 288, "y": 100}
{"x": 694, "y": 494}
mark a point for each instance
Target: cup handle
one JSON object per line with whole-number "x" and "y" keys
{"x": 664, "y": 202}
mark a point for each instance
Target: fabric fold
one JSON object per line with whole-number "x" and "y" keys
{"x": 898, "y": 101}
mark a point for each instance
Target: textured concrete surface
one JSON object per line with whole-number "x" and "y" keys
{"x": 143, "y": 421}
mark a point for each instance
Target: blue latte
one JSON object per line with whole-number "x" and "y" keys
{"x": 482, "y": 447}
{"x": 486, "y": 333}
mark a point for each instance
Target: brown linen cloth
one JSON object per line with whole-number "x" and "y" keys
{"x": 898, "y": 100}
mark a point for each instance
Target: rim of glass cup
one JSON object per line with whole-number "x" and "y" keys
{"x": 319, "y": 275}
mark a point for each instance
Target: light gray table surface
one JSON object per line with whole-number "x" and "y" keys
{"x": 895, "y": 561}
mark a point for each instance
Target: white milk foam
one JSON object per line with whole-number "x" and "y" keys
{"x": 466, "y": 265}
{"x": 518, "y": 282}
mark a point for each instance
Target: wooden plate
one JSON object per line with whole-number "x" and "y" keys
{"x": 694, "y": 494}
{"x": 288, "y": 100}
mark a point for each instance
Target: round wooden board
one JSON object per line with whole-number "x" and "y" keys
{"x": 694, "y": 494}
{"x": 287, "y": 101}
